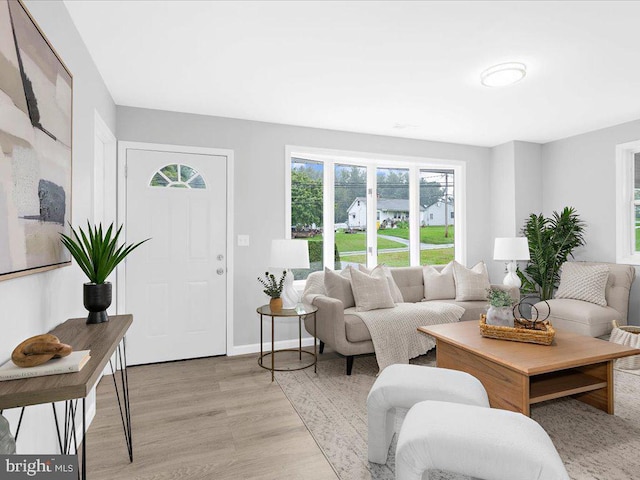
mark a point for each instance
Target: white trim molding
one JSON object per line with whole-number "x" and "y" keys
{"x": 278, "y": 345}
{"x": 626, "y": 203}
{"x": 104, "y": 172}
{"x": 122, "y": 203}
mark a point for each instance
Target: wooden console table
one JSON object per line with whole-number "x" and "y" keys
{"x": 103, "y": 340}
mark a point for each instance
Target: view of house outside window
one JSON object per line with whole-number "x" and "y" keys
{"x": 392, "y": 208}
{"x": 437, "y": 218}
{"x": 351, "y": 214}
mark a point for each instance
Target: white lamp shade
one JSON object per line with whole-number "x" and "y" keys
{"x": 511, "y": 248}
{"x": 287, "y": 254}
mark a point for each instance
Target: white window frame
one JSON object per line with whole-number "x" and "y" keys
{"x": 625, "y": 203}
{"x": 373, "y": 161}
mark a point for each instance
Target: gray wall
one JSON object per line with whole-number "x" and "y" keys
{"x": 501, "y": 194}
{"x": 528, "y": 181}
{"x": 36, "y": 303}
{"x": 259, "y": 185}
{"x": 516, "y": 191}
{"x": 502, "y": 190}
{"x": 580, "y": 171}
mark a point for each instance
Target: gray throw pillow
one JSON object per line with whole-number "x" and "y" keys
{"x": 471, "y": 283}
{"x": 583, "y": 282}
{"x": 439, "y": 285}
{"x": 371, "y": 292}
{"x": 396, "y": 294}
{"x": 338, "y": 286}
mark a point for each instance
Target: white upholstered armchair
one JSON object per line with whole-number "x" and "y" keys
{"x": 578, "y": 305}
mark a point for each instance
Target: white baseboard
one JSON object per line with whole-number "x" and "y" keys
{"x": 255, "y": 347}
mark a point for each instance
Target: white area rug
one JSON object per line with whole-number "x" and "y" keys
{"x": 592, "y": 444}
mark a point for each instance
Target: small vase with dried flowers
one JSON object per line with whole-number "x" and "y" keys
{"x": 273, "y": 288}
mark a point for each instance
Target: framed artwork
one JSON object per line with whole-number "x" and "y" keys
{"x": 36, "y": 94}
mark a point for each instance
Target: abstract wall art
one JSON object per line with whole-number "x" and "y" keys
{"x": 36, "y": 92}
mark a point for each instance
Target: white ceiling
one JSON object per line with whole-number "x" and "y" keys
{"x": 408, "y": 69}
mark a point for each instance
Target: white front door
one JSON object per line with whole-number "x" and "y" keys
{"x": 176, "y": 282}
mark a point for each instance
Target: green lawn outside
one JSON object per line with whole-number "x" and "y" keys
{"x": 440, "y": 256}
{"x": 393, "y": 259}
{"x": 434, "y": 235}
{"x": 637, "y": 239}
{"x": 356, "y": 242}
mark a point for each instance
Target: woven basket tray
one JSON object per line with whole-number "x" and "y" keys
{"x": 518, "y": 334}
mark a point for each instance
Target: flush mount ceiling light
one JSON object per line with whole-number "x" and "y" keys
{"x": 503, "y": 74}
{"x": 403, "y": 126}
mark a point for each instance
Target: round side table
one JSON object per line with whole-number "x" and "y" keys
{"x": 301, "y": 311}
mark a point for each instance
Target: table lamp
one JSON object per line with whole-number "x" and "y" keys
{"x": 511, "y": 249}
{"x": 288, "y": 254}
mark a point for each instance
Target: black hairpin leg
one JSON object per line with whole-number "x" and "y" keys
{"x": 66, "y": 437}
{"x": 84, "y": 439}
{"x": 123, "y": 398}
{"x": 55, "y": 417}
{"x": 15, "y": 437}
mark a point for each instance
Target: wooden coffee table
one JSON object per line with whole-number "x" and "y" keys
{"x": 517, "y": 375}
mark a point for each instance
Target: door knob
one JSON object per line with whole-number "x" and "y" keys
{"x": 220, "y": 271}
{"x": 220, "y": 257}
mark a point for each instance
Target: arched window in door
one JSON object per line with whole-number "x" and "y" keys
{"x": 177, "y": 175}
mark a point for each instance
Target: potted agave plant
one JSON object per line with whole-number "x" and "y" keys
{"x": 273, "y": 288}
{"x": 98, "y": 254}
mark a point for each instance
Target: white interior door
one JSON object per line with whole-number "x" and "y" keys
{"x": 176, "y": 282}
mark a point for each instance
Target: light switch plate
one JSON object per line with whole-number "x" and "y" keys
{"x": 243, "y": 240}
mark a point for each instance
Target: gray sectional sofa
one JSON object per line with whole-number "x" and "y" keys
{"x": 348, "y": 335}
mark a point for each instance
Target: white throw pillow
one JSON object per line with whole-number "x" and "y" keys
{"x": 439, "y": 285}
{"x": 371, "y": 291}
{"x": 583, "y": 282}
{"x": 396, "y": 294}
{"x": 471, "y": 283}
{"x": 338, "y": 286}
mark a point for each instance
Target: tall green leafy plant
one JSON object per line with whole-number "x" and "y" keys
{"x": 97, "y": 251}
{"x": 551, "y": 242}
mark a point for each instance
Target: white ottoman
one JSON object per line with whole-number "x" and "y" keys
{"x": 474, "y": 441}
{"x": 403, "y": 386}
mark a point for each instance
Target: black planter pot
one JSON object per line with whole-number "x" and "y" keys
{"x": 97, "y": 298}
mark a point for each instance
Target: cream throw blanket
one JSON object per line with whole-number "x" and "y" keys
{"x": 394, "y": 330}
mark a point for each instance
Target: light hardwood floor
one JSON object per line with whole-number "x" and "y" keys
{"x": 210, "y": 418}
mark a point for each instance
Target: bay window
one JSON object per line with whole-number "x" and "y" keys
{"x": 356, "y": 208}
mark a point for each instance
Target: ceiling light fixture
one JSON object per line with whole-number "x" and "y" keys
{"x": 402, "y": 126}
{"x": 503, "y": 74}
